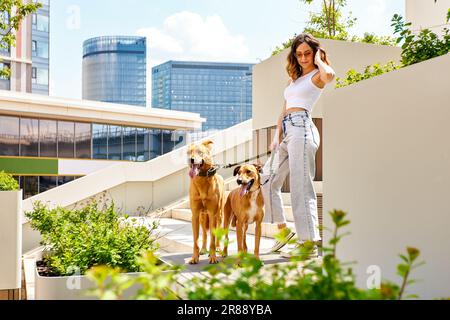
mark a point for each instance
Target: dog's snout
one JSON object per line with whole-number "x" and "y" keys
{"x": 239, "y": 181}
{"x": 192, "y": 160}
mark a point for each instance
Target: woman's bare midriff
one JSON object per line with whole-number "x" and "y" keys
{"x": 290, "y": 110}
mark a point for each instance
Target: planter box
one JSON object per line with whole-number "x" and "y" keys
{"x": 71, "y": 287}
{"x": 10, "y": 239}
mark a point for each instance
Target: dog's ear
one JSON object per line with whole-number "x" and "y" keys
{"x": 236, "y": 170}
{"x": 208, "y": 143}
{"x": 258, "y": 167}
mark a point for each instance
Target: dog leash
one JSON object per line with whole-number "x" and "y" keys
{"x": 215, "y": 167}
{"x": 246, "y": 160}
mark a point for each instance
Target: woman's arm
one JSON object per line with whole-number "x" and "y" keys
{"x": 327, "y": 73}
{"x": 279, "y": 132}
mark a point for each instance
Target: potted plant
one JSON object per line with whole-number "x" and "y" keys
{"x": 11, "y": 232}
{"x": 76, "y": 240}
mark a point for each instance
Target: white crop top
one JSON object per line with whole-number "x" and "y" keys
{"x": 302, "y": 92}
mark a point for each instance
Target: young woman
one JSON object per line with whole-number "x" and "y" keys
{"x": 309, "y": 71}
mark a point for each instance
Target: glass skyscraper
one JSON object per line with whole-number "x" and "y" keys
{"x": 40, "y": 49}
{"x": 114, "y": 70}
{"x": 220, "y": 92}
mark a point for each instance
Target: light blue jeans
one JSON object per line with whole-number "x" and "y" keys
{"x": 296, "y": 155}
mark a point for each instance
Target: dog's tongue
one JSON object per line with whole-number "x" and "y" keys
{"x": 194, "y": 171}
{"x": 243, "y": 190}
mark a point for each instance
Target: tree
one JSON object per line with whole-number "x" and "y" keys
{"x": 329, "y": 22}
{"x": 12, "y": 12}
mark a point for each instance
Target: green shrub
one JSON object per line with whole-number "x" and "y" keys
{"x": 421, "y": 47}
{"x": 243, "y": 277}
{"x": 373, "y": 38}
{"x": 80, "y": 239}
{"x": 370, "y": 71}
{"x": 7, "y": 182}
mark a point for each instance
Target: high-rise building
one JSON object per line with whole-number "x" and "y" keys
{"x": 220, "y": 92}
{"x": 40, "y": 48}
{"x": 114, "y": 70}
{"x": 28, "y": 60}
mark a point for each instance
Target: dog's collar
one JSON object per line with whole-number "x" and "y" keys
{"x": 208, "y": 173}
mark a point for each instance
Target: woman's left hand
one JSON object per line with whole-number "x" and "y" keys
{"x": 318, "y": 56}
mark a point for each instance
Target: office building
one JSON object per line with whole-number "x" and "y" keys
{"x": 220, "y": 92}
{"x": 114, "y": 70}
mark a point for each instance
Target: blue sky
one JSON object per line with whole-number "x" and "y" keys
{"x": 203, "y": 30}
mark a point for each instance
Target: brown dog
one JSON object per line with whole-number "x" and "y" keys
{"x": 207, "y": 197}
{"x": 244, "y": 206}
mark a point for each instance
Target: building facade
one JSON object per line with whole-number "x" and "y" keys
{"x": 220, "y": 92}
{"x": 40, "y": 48}
{"x": 46, "y": 141}
{"x": 28, "y": 60}
{"x": 114, "y": 70}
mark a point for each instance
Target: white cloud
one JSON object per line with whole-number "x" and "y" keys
{"x": 188, "y": 36}
{"x": 160, "y": 41}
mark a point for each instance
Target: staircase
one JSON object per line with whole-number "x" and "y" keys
{"x": 175, "y": 230}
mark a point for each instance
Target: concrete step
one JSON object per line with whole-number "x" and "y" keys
{"x": 176, "y": 236}
{"x": 267, "y": 230}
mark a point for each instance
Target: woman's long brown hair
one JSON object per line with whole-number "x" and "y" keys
{"x": 293, "y": 68}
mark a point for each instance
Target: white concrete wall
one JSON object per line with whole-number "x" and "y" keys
{"x": 270, "y": 76}
{"x": 387, "y": 163}
{"x": 10, "y": 239}
{"x": 426, "y": 14}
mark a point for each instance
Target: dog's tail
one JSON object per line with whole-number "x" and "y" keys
{"x": 227, "y": 212}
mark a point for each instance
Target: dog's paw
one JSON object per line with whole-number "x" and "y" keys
{"x": 194, "y": 260}
{"x": 224, "y": 254}
{"x": 203, "y": 251}
{"x": 213, "y": 260}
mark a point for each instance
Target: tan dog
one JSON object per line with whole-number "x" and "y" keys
{"x": 244, "y": 206}
{"x": 207, "y": 197}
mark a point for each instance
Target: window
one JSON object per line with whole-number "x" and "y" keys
{"x": 42, "y": 76}
{"x": 63, "y": 180}
{"x": 168, "y": 143}
{"x": 30, "y": 186}
{"x": 115, "y": 143}
{"x": 46, "y": 183}
{"x": 9, "y": 136}
{"x": 47, "y": 137}
{"x": 2, "y": 67}
{"x": 83, "y": 140}
{"x": 100, "y": 141}
{"x": 143, "y": 151}
{"x": 40, "y": 49}
{"x": 129, "y": 144}
{"x": 29, "y": 137}
{"x": 40, "y": 22}
{"x": 66, "y": 143}
{"x": 33, "y": 74}
{"x": 155, "y": 143}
